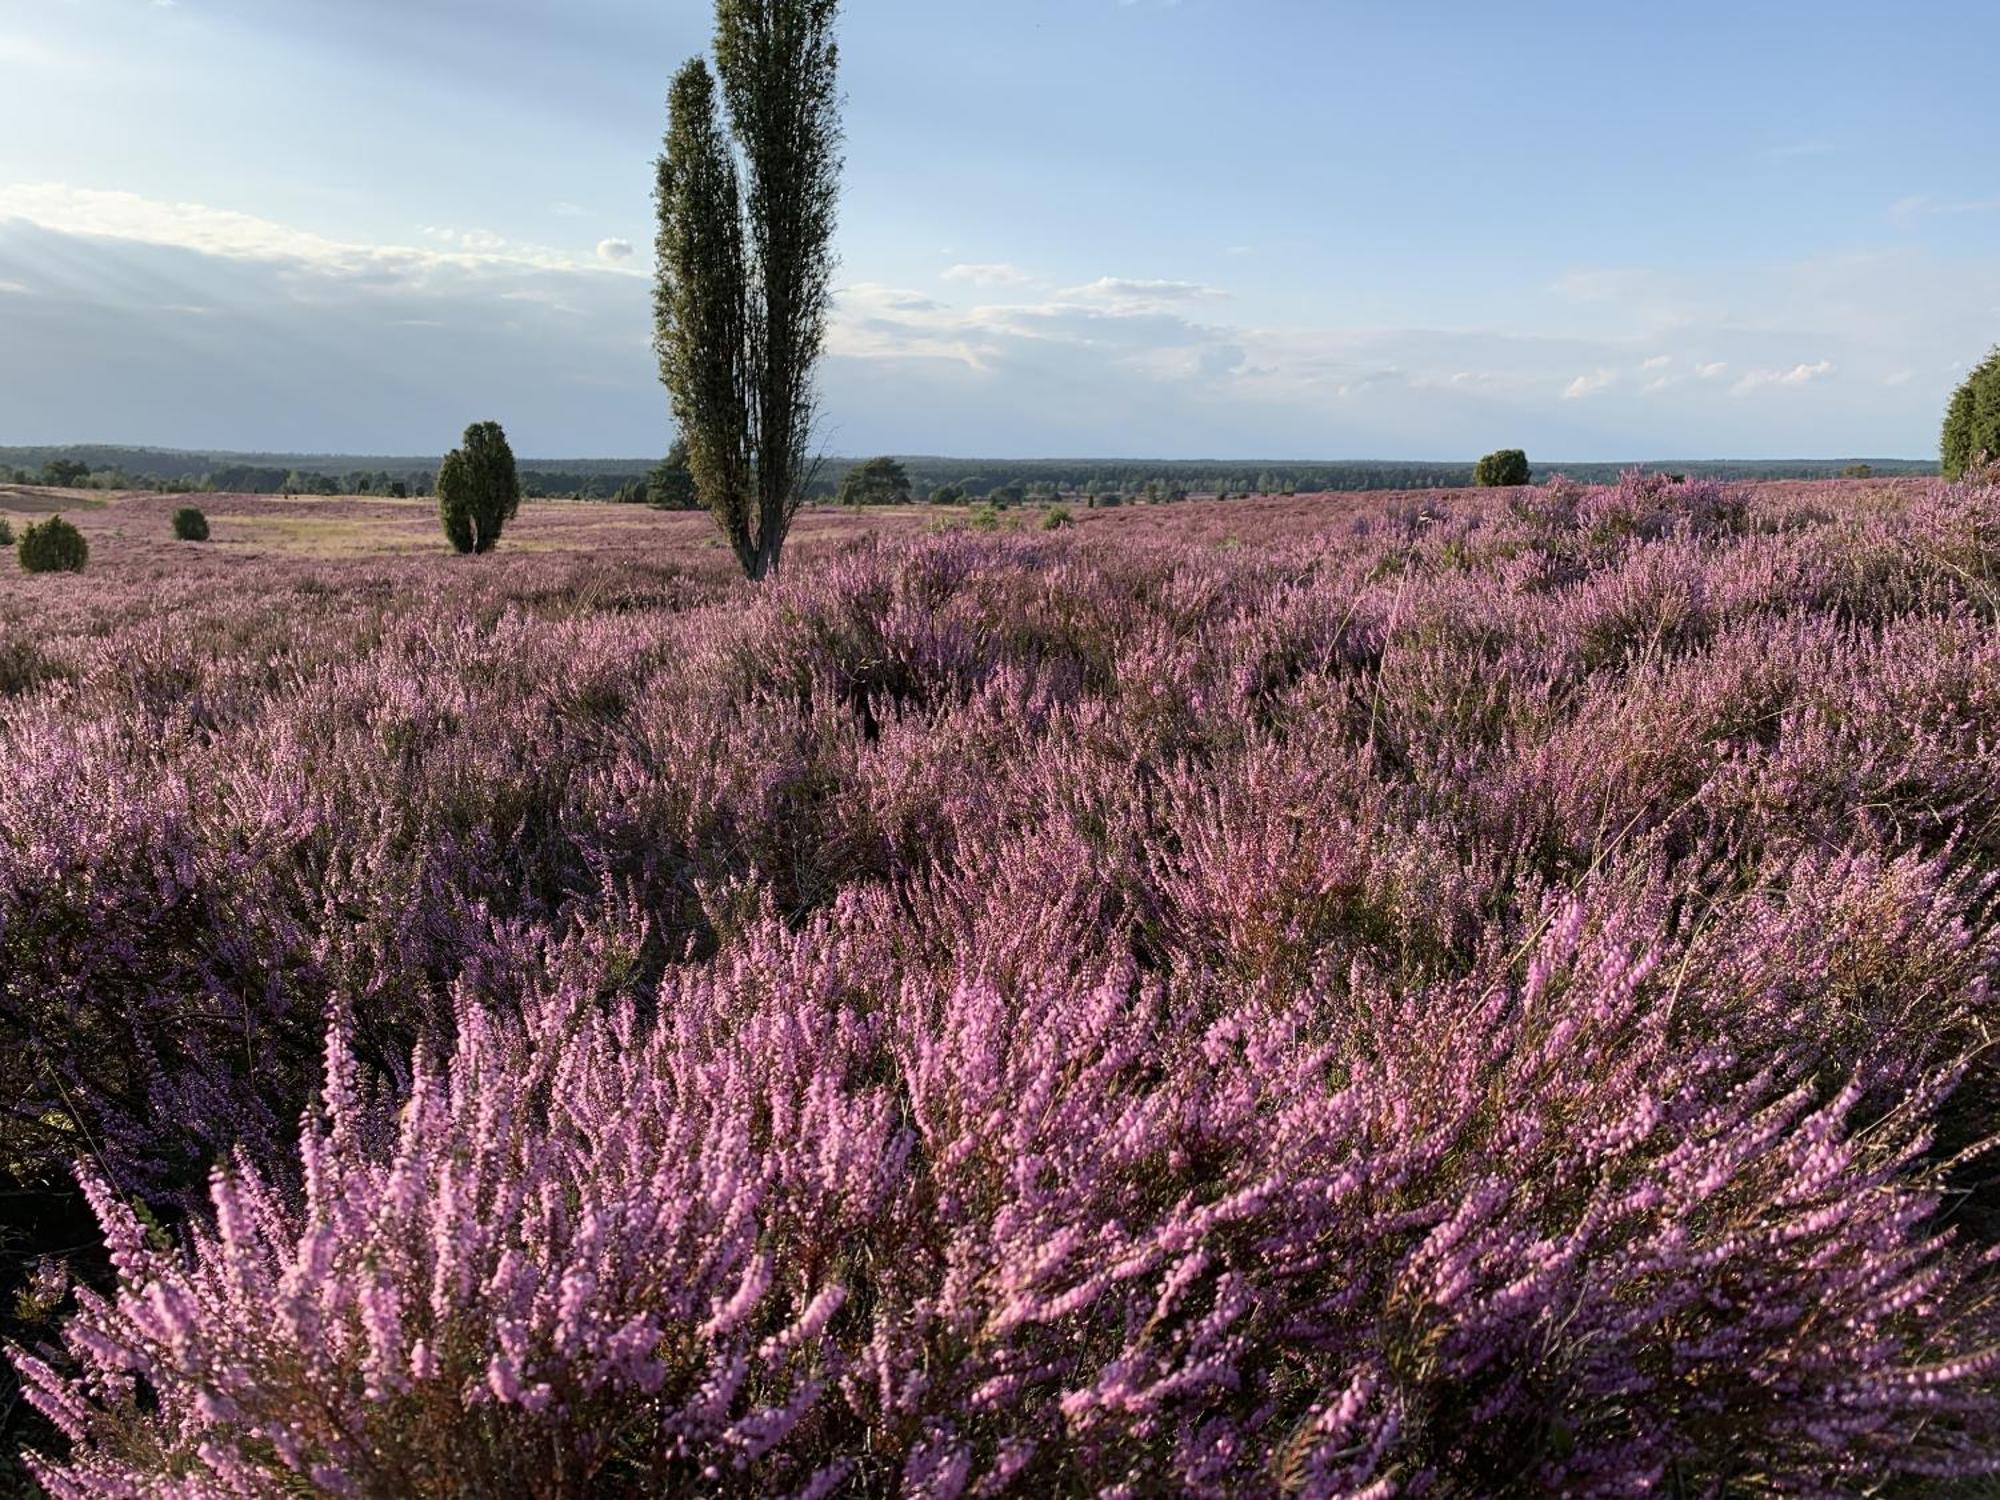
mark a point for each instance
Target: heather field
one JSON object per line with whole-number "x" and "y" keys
{"x": 1466, "y": 994}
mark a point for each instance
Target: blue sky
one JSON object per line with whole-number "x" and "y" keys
{"x": 1177, "y": 228}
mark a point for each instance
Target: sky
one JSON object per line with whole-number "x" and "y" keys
{"x": 1166, "y": 228}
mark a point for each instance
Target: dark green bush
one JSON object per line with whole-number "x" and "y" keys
{"x": 190, "y": 525}
{"x": 1506, "y": 469}
{"x": 6, "y": 534}
{"x": 479, "y": 489}
{"x": 1972, "y": 422}
{"x": 55, "y": 546}
{"x": 1056, "y": 518}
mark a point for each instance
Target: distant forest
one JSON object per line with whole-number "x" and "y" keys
{"x": 111, "y": 467}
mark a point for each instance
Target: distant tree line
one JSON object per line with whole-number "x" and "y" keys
{"x": 945, "y": 480}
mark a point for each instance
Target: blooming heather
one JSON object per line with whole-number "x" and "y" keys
{"x": 1462, "y": 996}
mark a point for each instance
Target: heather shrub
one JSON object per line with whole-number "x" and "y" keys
{"x": 190, "y": 525}
{"x": 53, "y": 546}
{"x": 1649, "y": 505}
{"x": 591, "y": 1253}
{"x": 1957, "y": 529}
{"x": 1479, "y": 996}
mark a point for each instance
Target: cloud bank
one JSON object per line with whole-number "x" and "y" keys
{"x": 136, "y": 320}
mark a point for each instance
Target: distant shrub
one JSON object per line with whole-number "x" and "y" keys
{"x": 1972, "y": 422}
{"x": 190, "y": 525}
{"x": 986, "y": 516}
{"x": 65, "y": 473}
{"x": 1057, "y": 518}
{"x": 55, "y": 546}
{"x": 880, "y": 481}
{"x": 6, "y": 534}
{"x": 948, "y": 494}
{"x": 1506, "y": 469}
{"x": 670, "y": 483}
{"x": 1858, "y": 471}
{"x": 479, "y": 489}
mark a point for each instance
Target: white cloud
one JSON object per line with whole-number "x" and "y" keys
{"x": 1801, "y": 374}
{"x": 1123, "y": 289}
{"x": 1146, "y": 365}
{"x": 614, "y": 251}
{"x": 985, "y": 275}
{"x": 238, "y": 236}
{"x": 1925, "y": 205}
{"x": 20, "y": 51}
{"x": 1590, "y": 385}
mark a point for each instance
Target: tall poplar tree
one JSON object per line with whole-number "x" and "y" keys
{"x": 745, "y": 261}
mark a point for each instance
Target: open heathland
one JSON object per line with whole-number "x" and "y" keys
{"x": 1460, "y": 994}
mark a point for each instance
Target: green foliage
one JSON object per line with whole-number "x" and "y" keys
{"x": 948, "y": 494}
{"x": 879, "y": 481}
{"x": 454, "y": 489}
{"x": 670, "y": 485}
{"x": 1972, "y": 423}
{"x": 479, "y": 489}
{"x": 1506, "y": 469}
{"x": 745, "y": 261}
{"x": 700, "y": 307}
{"x": 190, "y": 525}
{"x": 6, "y": 533}
{"x": 182, "y": 472}
{"x": 1057, "y": 518}
{"x": 55, "y": 546}
{"x": 65, "y": 473}
{"x": 985, "y": 516}
{"x": 1858, "y": 471}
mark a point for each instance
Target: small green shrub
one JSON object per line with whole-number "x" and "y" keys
{"x": 55, "y": 546}
{"x": 6, "y": 534}
{"x": 478, "y": 488}
{"x": 1506, "y": 469}
{"x": 190, "y": 525}
{"x": 1972, "y": 423}
{"x": 985, "y": 516}
{"x": 1057, "y": 518}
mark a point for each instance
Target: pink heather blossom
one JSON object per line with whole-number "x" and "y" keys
{"x": 1341, "y": 997}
